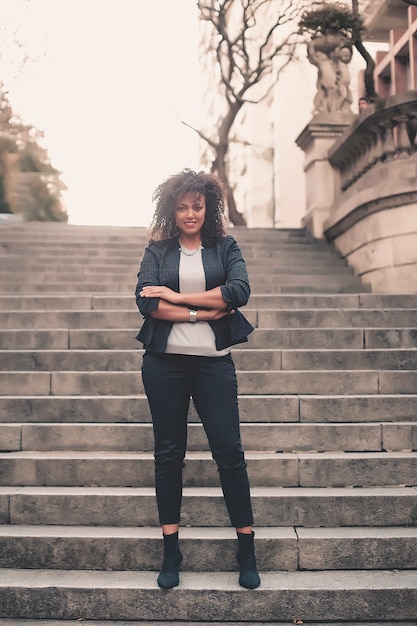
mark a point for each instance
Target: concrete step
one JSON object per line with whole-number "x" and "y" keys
{"x": 253, "y": 408}
{"x": 136, "y": 241}
{"x": 265, "y": 301}
{"x": 268, "y": 469}
{"x": 346, "y": 595}
{"x": 249, "y": 359}
{"x": 308, "y": 284}
{"x": 261, "y": 338}
{"x": 357, "y": 548}
{"x": 112, "y": 548}
{"x": 123, "y": 339}
{"x": 264, "y": 319}
{"x": 365, "y": 359}
{"x": 93, "y": 427}
{"x": 60, "y": 302}
{"x": 127, "y": 259}
{"x": 206, "y": 549}
{"x": 279, "y": 437}
{"x": 273, "y": 506}
{"x": 70, "y": 383}
{"x": 295, "y": 620}
{"x": 284, "y": 262}
{"x": 113, "y": 266}
{"x": 337, "y": 318}
{"x": 70, "y": 319}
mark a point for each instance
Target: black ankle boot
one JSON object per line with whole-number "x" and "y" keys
{"x": 169, "y": 574}
{"x": 249, "y": 576}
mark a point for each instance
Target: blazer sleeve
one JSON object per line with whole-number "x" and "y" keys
{"x": 148, "y": 275}
{"x": 236, "y": 291}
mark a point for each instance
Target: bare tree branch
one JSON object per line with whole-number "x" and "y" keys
{"x": 253, "y": 42}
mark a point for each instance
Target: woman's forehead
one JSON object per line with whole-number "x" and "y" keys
{"x": 190, "y": 196}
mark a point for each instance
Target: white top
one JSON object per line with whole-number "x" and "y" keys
{"x": 195, "y": 338}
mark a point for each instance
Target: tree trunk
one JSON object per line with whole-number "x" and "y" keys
{"x": 219, "y": 166}
{"x": 220, "y": 163}
{"x": 370, "y": 63}
{"x": 369, "y": 71}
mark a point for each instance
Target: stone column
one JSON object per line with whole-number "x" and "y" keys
{"x": 320, "y": 177}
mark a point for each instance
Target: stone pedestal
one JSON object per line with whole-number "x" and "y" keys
{"x": 321, "y": 178}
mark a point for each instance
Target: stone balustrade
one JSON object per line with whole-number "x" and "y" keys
{"x": 372, "y": 220}
{"x": 384, "y": 131}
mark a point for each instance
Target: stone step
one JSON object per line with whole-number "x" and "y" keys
{"x": 265, "y": 319}
{"x": 396, "y": 408}
{"x": 94, "y": 428}
{"x": 296, "y": 283}
{"x": 91, "y": 244}
{"x": 265, "y": 469}
{"x": 337, "y": 318}
{"x": 43, "y": 266}
{"x": 295, "y": 620}
{"x": 123, "y": 339}
{"x": 206, "y": 549}
{"x": 133, "y": 247}
{"x": 273, "y": 506}
{"x": 283, "y": 262}
{"x": 365, "y": 359}
{"x": 139, "y": 548}
{"x": 115, "y": 383}
{"x": 250, "y": 359}
{"x": 130, "y": 255}
{"x": 77, "y": 231}
{"x": 257, "y": 278}
{"x": 305, "y": 286}
{"x": 284, "y": 437}
{"x": 76, "y": 302}
{"x": 68, "y": 236}
{"x": 73, "y": 594}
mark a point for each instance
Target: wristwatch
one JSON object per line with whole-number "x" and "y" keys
{"x": 193, "y": 315}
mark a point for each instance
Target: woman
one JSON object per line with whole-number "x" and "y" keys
{"x": 191, "y": 280}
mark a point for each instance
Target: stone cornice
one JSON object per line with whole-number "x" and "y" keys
{"x": 369, "y": 208}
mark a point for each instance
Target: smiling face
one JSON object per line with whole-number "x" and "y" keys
{"x": 190, "y": 213}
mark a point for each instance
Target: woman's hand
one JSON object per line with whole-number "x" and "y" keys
{"x": 155, "y": 291}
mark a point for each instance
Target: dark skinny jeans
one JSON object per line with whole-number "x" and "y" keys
{"x": 170, "y": 380}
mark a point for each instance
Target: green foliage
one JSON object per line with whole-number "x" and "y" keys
{"x": 329, "y": 18}
{"x": 45, "y": 204}
{"x": 44, "y": 190}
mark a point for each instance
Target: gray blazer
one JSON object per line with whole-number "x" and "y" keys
{"x": 224, "y": 267}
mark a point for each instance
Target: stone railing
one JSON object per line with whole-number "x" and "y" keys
{"x": 384, "y": 131}
{"x": 373, "y": 217}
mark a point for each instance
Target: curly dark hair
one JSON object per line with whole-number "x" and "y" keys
{"x": 167, "y": 194}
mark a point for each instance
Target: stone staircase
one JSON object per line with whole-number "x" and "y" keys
{"x": 328, "y": 390}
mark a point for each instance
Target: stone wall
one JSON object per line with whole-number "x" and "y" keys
{"x": 373, "y": 220}
{"x": 382, "y": 249}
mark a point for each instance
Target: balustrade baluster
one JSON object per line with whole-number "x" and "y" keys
{"x": 403, "y": 140}
{"x": 412, "y": 129}
{"x": 389, "y": 148}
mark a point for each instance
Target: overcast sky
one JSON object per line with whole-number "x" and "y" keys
{"x": 107, "y": 81}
